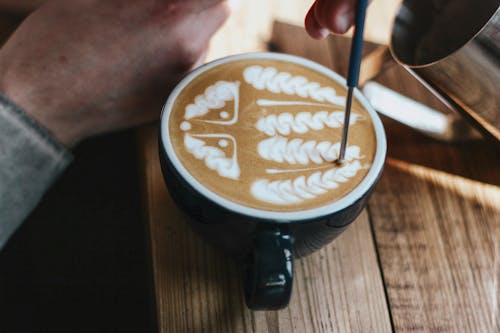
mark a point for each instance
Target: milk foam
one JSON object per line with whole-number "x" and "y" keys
{"x": 297, "y": 151}
{"x": 285, "y": 123}
{"x": 299, "y": 189}
{"x": 271, "y": 79}
{"x": 214, "y": 157}
{"x": 280, "y": 164}
{"x": 215, "y": 97}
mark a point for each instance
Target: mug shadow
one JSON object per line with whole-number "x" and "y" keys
{"x": 200, "y": 283}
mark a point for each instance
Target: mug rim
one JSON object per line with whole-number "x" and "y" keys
{"x": 276, "y": 216}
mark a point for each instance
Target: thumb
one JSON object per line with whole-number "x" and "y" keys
{"x": 206, "y": 22}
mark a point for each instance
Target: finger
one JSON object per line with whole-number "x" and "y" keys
{"x": 313, "y": 28}
{"x": 335, "y": 15}
{"x": 207, "y": 22}
{"x": 201, "y": 58}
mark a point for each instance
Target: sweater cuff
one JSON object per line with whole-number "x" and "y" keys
{"x": 31, "y": 159}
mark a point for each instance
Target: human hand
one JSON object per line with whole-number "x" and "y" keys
{"x": 327, "y": 16}
{"x": 85, "y": 67}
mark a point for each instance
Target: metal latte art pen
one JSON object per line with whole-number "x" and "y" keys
{"x": 353, "y": 75}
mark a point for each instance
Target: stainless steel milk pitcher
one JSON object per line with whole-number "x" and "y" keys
{"x": 453, "y": 47}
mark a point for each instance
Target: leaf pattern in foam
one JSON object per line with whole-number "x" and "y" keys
{"x": 301, "y": 188}
{"x": 286, "y": 123}
{"x": 213, "y": 157}
{"x": 214, "y": 97}
{"x": 296, "y": 151}
{"x": 270, "y": 79}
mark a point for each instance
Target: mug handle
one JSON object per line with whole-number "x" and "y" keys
{"x": 268, "y": 275}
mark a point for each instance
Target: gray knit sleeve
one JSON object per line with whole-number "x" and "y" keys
{"x": 30, "y": 160}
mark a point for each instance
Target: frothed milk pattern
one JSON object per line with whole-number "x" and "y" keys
{"x": 271, "y": 79}
{"x": 296, "y": 151}
{"x": 286, "y": 123}
{"x": 215, "y": 97}
{"x": 294, "y": 109}
{"x": 289, "y": 191}
{"x": 214, "y": 157}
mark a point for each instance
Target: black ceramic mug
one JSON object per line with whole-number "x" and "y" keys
{"x": 265, "y": 241}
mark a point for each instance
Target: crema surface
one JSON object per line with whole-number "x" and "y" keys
{"x": 266, "y": 133}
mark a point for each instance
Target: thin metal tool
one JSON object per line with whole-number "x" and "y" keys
{"x": 353, "y": 75}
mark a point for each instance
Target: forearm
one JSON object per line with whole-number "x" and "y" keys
{"x": 114, "y": 74}
{"x": 30, "y": 161}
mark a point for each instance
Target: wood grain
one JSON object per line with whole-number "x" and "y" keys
{"x": 436, "y": 218}
{"x": 438, "y": 235}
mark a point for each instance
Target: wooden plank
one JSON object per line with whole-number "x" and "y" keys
{"x": 338, "y": 289}
{"x": 436, "y": 216}
{"x": 438, "y": 235}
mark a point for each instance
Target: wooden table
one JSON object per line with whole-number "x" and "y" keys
{"x": 424, "y": 255}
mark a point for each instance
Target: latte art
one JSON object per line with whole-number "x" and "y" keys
{"x": 215, "y": 97}
{"x": 214, "y": 157}
{"x": 266, "y": 134}
{"x": 302, "y": 122}
{"x": 270, "y": 79}
{"x": 299, "y": 189}
{"x": 296, "y": 151}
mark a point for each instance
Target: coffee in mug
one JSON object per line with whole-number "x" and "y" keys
{"x": 265, "y": 133}
{"x": 248, "y": 149}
